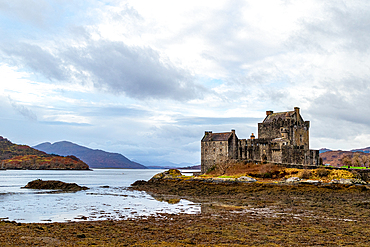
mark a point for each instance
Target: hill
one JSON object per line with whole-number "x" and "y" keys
{"x": 341, "y": 158}
{"x": 364, "y": 150}
{"x": 13, "y": 156}
{"x": 93, "y": 157}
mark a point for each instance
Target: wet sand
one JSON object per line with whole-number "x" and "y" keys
{"x": 233, "y": 214}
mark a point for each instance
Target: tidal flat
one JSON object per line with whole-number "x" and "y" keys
{"x": 233, "y": 214}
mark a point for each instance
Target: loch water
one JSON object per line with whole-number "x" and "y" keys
{"x": 107, "y": 198}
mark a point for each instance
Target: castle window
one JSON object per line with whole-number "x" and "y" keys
{"x": 220, "y": 149}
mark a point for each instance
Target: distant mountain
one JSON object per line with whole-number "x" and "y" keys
{"x": 166, "y": 165}
{"x": 13, "y": 156}
{"x": 323, "y": 150}
{"x": 196, "y": 167}
{"x": 93, "y": 157}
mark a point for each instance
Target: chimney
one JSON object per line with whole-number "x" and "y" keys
{"x": 207, "y": 132}
{"x": 268, "y": 113}
{"x": 296, "y": 109}
{"x": 252, "y": 136}
{"x": 233, "y": 131}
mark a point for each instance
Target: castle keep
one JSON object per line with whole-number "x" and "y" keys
{"x": 283, "y": 138}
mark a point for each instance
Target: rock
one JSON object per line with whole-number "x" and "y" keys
{"x": 53, "y": 185}
{"x": 310, "y": 181}
{"x": 139, "y": 182}
{"x": 351, "y": 181}
{"x": 345, "y": 181}
{"x": 247, "y": 179}
{"x": 348, "y": 181}
{"x": 292, "y": 180}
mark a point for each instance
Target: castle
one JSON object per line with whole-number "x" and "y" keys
{"x": 283, "y": 138}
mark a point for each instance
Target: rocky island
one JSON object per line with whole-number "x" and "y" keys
{"x": 53, "y": 185}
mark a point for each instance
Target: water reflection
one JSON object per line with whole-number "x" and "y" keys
{"x": 107, "y": 198}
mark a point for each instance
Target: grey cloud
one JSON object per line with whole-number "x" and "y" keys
{"x": 346, "y": 23}
{"x": 136, "y": 71}
{"x": 24, "y": 111}
{"x": 51, "y": 123}
{"x": 35, "y": 58}
{"x": 112, "y": 66}
{"x": 216, "y": 121}
{"x": 339, "y": 106}
{"x": 341, "y": 114}
{"x": 114, "y": 112}
{"x": 222, "y": 31}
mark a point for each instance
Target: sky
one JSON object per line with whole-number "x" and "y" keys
{"x": 147, "y": 78}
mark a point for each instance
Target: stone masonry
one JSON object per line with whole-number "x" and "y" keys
{"x": 283, "y": 138}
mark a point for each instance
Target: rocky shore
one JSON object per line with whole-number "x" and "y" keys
{"x": 233, "y": 213}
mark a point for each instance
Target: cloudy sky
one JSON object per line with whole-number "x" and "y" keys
{"x": 147, "y": 78}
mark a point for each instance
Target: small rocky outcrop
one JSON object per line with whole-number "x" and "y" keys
{"x": 171, "y": 173}
{"x": 53, "y": 185}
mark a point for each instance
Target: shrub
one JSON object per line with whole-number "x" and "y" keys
{"x": 305, "y": 174}
{"x": 338, "y": 174}
{"x": 322, "y": 172}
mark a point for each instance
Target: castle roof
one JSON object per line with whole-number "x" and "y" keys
{"x": 217, "y": 136}
{"x": 275, "y": 116}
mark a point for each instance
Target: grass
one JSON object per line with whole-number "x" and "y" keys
{"x": 355, "y": 167}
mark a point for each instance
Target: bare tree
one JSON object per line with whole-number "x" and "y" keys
{"x": 356, "y": 160}
{"x": 347, "y": 160}
{"x": 365, "y": 159}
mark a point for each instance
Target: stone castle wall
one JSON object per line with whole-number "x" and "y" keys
{"x": 283, "y": 138}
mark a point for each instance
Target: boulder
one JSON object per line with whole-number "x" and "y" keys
{"x": 292, "y": 180}
{"x": 311, "y": 181}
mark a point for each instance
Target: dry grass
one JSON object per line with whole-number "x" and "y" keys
{"x": 271, "y": 171}
{"x": 318, "y": 174}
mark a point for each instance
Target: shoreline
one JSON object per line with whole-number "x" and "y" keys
{"x": 237, "y": 214}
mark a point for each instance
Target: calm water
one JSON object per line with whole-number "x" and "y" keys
{"x": 108, "y": 197}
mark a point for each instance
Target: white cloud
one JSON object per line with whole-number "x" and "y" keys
{"x": 166, "y": 70}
